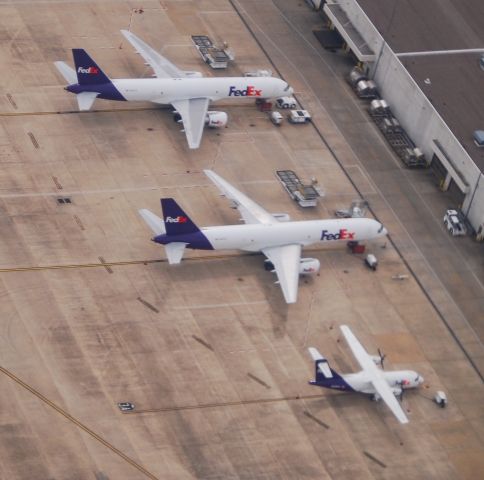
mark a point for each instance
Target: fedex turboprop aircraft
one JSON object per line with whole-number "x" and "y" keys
{"x": 371, "y": 380}
{"x": 278, "y": 238}
{"x": 188, "y": 92}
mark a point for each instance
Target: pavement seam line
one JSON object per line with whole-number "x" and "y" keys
{"x": 77, "y": 423}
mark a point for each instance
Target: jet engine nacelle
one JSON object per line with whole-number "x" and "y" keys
{"x": 192, "y": 74}
{"x": 309, "y": 266}
{"x": 216, "y": 119}
{"x": 282, "y": 217}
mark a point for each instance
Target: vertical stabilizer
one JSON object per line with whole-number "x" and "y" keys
{"x": 87, "y": 71}
{"x": 177, "y": 222}
{"x": 324, "y": 375}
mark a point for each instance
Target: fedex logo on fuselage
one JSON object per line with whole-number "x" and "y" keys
{"x": 343, "y": 234}
{"x": 178, "y": 219}
{"x": 250, "y": 91}
{"x": 92, "y": 70}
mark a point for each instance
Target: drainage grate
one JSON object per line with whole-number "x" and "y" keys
{"x": 148, "y": 304}
{"x": 317, "y": 420}
{"x": 202, "y": 342}
{"x": 34, "y": 141}
{"x": 258, "y": 380}
{"x": 57, "y": 183}
{"x": 12, "y": 101}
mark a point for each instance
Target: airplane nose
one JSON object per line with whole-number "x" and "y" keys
{"x": 382, "y": 231}
{"x": 288, "y": 90}
{"x": 421, "y": 379}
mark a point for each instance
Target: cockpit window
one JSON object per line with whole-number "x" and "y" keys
{"x": 381, "y": 228}
{"x": 287, "y": 87}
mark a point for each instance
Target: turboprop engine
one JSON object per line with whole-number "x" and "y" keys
{"x": 376, "y": 359}
{"x": 216, "y": 119}
{"x": 309, "y": 266}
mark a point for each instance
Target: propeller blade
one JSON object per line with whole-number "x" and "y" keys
{"x": 382, "y": 359}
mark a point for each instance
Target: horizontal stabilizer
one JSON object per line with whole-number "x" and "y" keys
{"x": 85, "y": 100}
{"x": 153, "y": 221}
{"x": 321, "y": 364}
{"x": 67, "y": 72}
{"x": 315, "y": 355}
{"x": 174, "y": 252}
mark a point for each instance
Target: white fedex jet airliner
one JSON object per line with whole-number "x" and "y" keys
{"x": 188, "y": 92}
{"x": 278, "y": 238}
{"x": 371, "y": 380}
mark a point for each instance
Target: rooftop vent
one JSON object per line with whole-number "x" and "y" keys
{"x": 479, "y": 138}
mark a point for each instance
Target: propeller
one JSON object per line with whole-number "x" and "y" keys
{"x": 382, "y": 358}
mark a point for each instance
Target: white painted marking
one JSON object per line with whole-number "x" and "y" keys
{"x": 219, "y": 305}
{"x": 440, "y": 52}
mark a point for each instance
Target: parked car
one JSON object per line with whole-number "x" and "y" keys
{"x": 454, "y": 223}
{"x": 276, "y": 118}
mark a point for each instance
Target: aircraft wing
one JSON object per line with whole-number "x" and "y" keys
{"x": 286, "y": 264}
{"x": 162, "y": 67}
{"x": 193, "y": 112}
{"x": 362, "y": 357}
{"x": 251, "y": 212}
{"x": 379, "y": 384}
{"x": 387, "y": 395}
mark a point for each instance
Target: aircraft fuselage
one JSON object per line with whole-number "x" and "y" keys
{"x": 255, "y": 237}
{"x": 168, "y": 90}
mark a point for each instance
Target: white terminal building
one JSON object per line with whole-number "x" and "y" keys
{"x": 427, "y": 59}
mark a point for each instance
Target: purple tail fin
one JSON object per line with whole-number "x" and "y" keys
{"x": 325, "y": 376}
{"x": 329, "y": 374}
{"x": 88, "y": 72}
{"x": 176, "y": 220}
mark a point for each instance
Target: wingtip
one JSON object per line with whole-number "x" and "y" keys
{"x": 315, "y": 355}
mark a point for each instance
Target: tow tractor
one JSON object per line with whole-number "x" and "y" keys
{"x": 286, "y": 102}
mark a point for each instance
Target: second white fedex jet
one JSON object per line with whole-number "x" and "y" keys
{"x": 371, "y": 380}
{"x": 188, "y": 92}
{"x": 278, "y": 238}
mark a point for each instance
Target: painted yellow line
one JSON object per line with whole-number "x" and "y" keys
{"x": 224, "y": 404}
{"x": 78, "y": 423}
{"x": 115, "y": 264}
{"x": 142, "y": 262}
{"x": 69, "y": 112}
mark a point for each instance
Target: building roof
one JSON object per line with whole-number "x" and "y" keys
{"x": 454, "y": 84}
{"x": 456, "y": 87}
{"x": 421, "y": 25}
